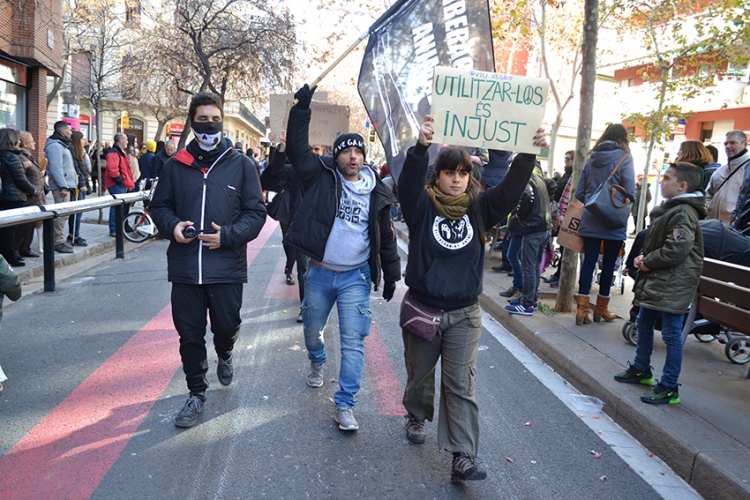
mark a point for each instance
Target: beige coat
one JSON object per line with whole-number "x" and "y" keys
{"x": 136, "y": 171}
{"x": 721, "y": 204}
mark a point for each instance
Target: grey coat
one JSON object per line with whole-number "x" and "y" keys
{"x": 602, "y": 162}
{"x": 60, "y": 169}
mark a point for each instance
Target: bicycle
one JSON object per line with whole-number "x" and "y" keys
{"x": 137, "y": 225}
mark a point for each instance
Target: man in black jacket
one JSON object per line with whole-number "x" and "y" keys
{"x": 347, "y": 233}
{"x": 209, "y": 204}
{"x": 160, "y": 158}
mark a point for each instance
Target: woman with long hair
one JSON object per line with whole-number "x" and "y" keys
{"x": 133, "y": 154}
{"x": 696, "y": 153}
{"x": 610, "y": 151}
{"x": 82, "y": 164}
{"x": 16, "y": 189}
{"x": 447, "y": 221}
{"x": 35, "y": 175}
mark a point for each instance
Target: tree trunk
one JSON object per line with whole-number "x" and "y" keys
{"x": 552, "y": 143}
{"x": 183, "y": 137}
{"x": 583, "y": 141}
{"x": 652, "y": 139}
{"x": 99, "y": 166}
{"x": 159, "y": 128}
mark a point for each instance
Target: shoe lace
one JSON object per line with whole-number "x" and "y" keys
{"x": 192, "y": 405}
{"x": 414, "y": 423}
{"x": 464, "y": 462}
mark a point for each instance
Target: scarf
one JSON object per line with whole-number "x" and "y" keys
{"x": 448, "y": 207}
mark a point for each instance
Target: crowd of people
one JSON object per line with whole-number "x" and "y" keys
{"x": 345, "y": 244}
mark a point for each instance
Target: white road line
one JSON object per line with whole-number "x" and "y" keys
{"x": 655, "y": 472}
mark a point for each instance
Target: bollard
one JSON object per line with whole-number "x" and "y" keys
{"x": 119, "y": 243}
{"x": 48, "y": 248}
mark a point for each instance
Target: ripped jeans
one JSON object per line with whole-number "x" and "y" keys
{"x": 350, "y": 291}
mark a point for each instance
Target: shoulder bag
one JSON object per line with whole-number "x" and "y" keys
{"x": 610, "y": 203}
{"x": 419, "y": 320}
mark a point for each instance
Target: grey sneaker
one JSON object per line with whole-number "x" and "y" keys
{"x": 315, "y": 378}
{"x": 516, "y": 296}
{"x": 188, "y": 414}
{"x": 63, "y": 248}
{"x": 345, "y": 418}
{"x": 415, "y": 429}
{"x": 508, "y": 292}
{"x": 225, "y": 371}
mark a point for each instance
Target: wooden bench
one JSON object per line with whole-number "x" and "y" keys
{"x": 723, "y": 296}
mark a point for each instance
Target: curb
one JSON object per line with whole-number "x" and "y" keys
{"x": 709, "y": 460}
{"x": 63, "y": 260}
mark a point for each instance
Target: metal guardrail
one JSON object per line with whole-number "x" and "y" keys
{"x": 47, "y": 214}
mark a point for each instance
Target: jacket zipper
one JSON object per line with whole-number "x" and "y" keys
{"x": 203, "y": 215}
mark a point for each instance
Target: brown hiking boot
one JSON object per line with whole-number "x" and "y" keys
{"x": 601, "y": 312}
{"x": 582, "y": 313}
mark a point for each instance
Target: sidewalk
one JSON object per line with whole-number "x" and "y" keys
{"x": 705, "y": 439}
{"x": 100, "y": 243}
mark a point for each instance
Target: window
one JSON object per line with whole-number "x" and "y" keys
{"x": 132, "y": 11}
{"x": 631, "y": 82}
{"x": 707, "y": 131}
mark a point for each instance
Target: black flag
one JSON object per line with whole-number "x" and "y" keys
{"x": 395, "y": 80}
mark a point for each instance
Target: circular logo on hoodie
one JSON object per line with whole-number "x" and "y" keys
{"x": 452, "y": 234}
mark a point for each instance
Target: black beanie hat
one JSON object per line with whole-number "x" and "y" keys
{"x": 347, "y": 141}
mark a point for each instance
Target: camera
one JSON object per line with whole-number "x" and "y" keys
{"x": 190, "y": 232}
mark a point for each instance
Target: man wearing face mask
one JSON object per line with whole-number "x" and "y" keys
{"x": 347, "y": 233}
{"x": 209, "y": 204}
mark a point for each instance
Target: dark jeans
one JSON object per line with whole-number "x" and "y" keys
{"x": 116, "y": 189}
{"x": 531, "y": 257}
{"x": 671, "y": 333}
{"x": 514, "y": 257}
{"x": 189, "y": 306}
{"x": 292, "y": 256}
{"x": 591, "y": 248}
{"x": 74, "y": 221}
{"x": 8, "y": 234}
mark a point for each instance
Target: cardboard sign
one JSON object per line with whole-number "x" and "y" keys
{"x": 327, "y": 122}
{"x": 477, "y": 108}
{"x": 279, "y": 105}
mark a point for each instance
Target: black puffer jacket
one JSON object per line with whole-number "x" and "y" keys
{"x": 322, "y": 185}
{"x": 16, "y": 187}
{"x": 222, "y": 187}
{"x": 532, "y": 214}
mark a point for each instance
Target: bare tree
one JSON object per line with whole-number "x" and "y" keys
{"x": 238, "y": 49}
{"x": 100, "y": 29}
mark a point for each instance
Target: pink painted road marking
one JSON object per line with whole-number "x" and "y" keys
{"x": 277, "y": 287}
{"x": 386, "y": 389}
{"x": 70, "y": 450}
{"x": 68, "y": 453}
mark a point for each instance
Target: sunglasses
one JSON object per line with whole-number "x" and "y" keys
{"x": 568, "y": 158}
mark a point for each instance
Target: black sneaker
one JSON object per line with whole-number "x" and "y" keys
{"x": 415, "y": 429}
{"x": 80, "y": 242}
{"x": 662, "y": 395}
{"x": 188, "y": 414}
{"x": 634, "y": 375}
{"x": 225, "y": 371}
{"x": 466, "y": 468}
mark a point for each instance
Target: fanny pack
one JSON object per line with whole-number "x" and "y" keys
{"x": 419, "y": 320}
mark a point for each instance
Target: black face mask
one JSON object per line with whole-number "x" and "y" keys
{"x": 208, "y": 134}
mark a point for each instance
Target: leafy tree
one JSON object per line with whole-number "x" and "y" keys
{"x": 689, "y": 43}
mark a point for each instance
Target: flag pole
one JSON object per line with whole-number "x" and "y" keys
{"x": 375, "y": 26}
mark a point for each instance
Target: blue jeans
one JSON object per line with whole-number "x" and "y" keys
{"x": 350, "y": 290}
{"x": 514, "y": 256}
{"x": 531, "y": 256}
{"x": 116, "y": 189}
{"x": 671, "y": 333}
{"x": 591, "y": 247}
{"x": 74, "y": 223}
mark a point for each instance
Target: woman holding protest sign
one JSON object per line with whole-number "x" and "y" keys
{"x": 440, "y": 315}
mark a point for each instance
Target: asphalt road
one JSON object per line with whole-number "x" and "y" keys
{"x": 95, "y": 381}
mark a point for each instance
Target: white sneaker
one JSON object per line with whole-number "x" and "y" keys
{"x": 345, "y": 418}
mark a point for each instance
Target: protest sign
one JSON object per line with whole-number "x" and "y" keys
{"x": 279, "y": 105}
{"x": 478, "y": 108}
{"x": 327, "y": 122}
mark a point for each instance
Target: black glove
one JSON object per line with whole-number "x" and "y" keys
{"x": 388, "y": 288}
{"x": 118, "y": 179}
{"x": 304, "y": 96}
